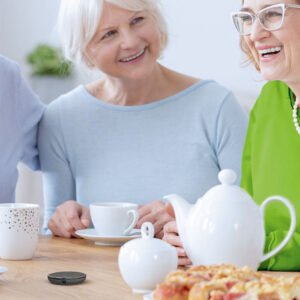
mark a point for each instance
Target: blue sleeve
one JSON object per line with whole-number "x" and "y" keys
{"x": 58, "y": 181}
{"x": 29, "y": 113}
{"x": 230, "y": 134}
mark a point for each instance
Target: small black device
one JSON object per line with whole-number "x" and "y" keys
{"x": 67, "y": 278}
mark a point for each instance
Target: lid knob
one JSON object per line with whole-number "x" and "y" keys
{"x": 227, "y": 176}
{"x": 147, "y": 230}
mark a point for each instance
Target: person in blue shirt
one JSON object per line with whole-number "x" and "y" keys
{"x": 20, "y": 114}
{"x": 141, "y": 130}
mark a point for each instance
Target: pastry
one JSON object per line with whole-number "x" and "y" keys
{"x": 226, "y": 282}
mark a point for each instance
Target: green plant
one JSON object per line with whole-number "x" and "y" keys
{"x": 48, "y": 60}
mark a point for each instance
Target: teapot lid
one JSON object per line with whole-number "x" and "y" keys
{"x": 227, "y": 190}
{"x": 227, "y": 177}
{"x": 147, "y": 243}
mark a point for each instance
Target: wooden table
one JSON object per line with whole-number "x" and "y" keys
{"x": 28, "y": 279}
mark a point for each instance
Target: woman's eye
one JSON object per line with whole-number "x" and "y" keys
{"x": 272, "y": 14}
{"x": 246, "y": 18}
{"x": 137, "y": 20}
{"x": 109, "y": 34}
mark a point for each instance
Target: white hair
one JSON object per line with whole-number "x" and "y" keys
{"x": 78, "y": 21}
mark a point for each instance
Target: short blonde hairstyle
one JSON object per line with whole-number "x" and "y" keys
{"x": 78, "y": 21}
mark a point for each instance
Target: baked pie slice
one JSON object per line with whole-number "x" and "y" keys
{"x": 226, "y": 282}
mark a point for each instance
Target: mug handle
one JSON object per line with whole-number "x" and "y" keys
{"x": 135, "y": 217}
{"x": 291, "y": 209}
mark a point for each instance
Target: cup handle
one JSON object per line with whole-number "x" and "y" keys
{"x": 291, "y": 209}
{"x": 135, "y": 217}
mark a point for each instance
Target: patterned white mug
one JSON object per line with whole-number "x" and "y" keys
{"x": 19, "y": 230}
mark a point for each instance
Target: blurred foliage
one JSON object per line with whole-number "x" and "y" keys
{"x": 48, "y": 60}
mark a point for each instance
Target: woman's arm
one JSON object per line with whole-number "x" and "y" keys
{"x": 29, "y": 112}
{"x": 230, "y": 135}
{"x": 58, "y": 180}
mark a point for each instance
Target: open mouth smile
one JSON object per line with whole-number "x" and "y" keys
{"x": 268, "y": 52}
{"x": 133, "y": 57}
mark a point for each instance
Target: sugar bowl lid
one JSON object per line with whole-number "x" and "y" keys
{"x": 147, "y": 243}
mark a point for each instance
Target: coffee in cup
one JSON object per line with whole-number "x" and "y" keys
{"x": 19, "y": 230}
{"x": 114, "y": 218}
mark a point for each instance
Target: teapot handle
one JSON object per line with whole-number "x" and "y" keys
{"x": 292, "y": 226}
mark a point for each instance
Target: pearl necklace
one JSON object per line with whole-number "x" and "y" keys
{"x": 295, "y": 115}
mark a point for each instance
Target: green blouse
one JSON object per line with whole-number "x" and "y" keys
{"x": 271, "y": 165}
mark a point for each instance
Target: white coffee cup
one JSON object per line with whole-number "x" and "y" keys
{"x": 114, "y": 218}
{"x": 19, "y": 230}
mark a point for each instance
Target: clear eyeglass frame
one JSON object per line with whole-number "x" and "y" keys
{"x": 241, "y": 17}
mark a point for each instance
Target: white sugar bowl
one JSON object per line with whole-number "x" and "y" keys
{"x": 145, "y": 262}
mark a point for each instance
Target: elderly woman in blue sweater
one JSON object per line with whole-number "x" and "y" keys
{"x": 141, "y": 130}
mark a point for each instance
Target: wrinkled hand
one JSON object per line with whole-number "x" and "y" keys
{"x": 171, "y": 236}
{"x": 155, "y": 212}
{"x": 69, "y": 217}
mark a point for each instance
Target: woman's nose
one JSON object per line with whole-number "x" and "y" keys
{"x": 258, "y": 32}
{"x": 128, "y": 39}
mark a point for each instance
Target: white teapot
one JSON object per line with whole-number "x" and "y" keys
{"x": 226, "y": 225}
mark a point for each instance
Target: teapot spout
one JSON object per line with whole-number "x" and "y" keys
{"x": 182, "y": 209}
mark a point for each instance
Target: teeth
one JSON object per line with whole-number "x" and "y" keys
{"x": 270, "y": 50}
{"x": 133, "y": 57}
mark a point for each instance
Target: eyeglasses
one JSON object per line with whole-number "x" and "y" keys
{"x": 271, "y": 18}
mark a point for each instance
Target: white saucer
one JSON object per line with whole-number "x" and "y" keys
{"x": 3, "y": 269}
{"x": 148, "y": 296}
{"x": 91, "y": 234}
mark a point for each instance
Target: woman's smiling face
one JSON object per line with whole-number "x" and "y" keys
{"x": 276, "y": 52}
{"x": 126, "y": 44}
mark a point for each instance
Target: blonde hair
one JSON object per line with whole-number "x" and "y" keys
{"x": 249, "y": 56}
{"x": 78, "y": 20}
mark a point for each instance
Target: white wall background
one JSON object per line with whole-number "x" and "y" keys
{"x": 203, "y": 43}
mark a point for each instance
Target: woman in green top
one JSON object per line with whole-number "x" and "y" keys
{"x": 270, "y": 36}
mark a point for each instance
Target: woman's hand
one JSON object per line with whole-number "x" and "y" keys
{"x": 171, "y": 236}
{"x": 69, "y": 217}
{"x": 155, "y": 212}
